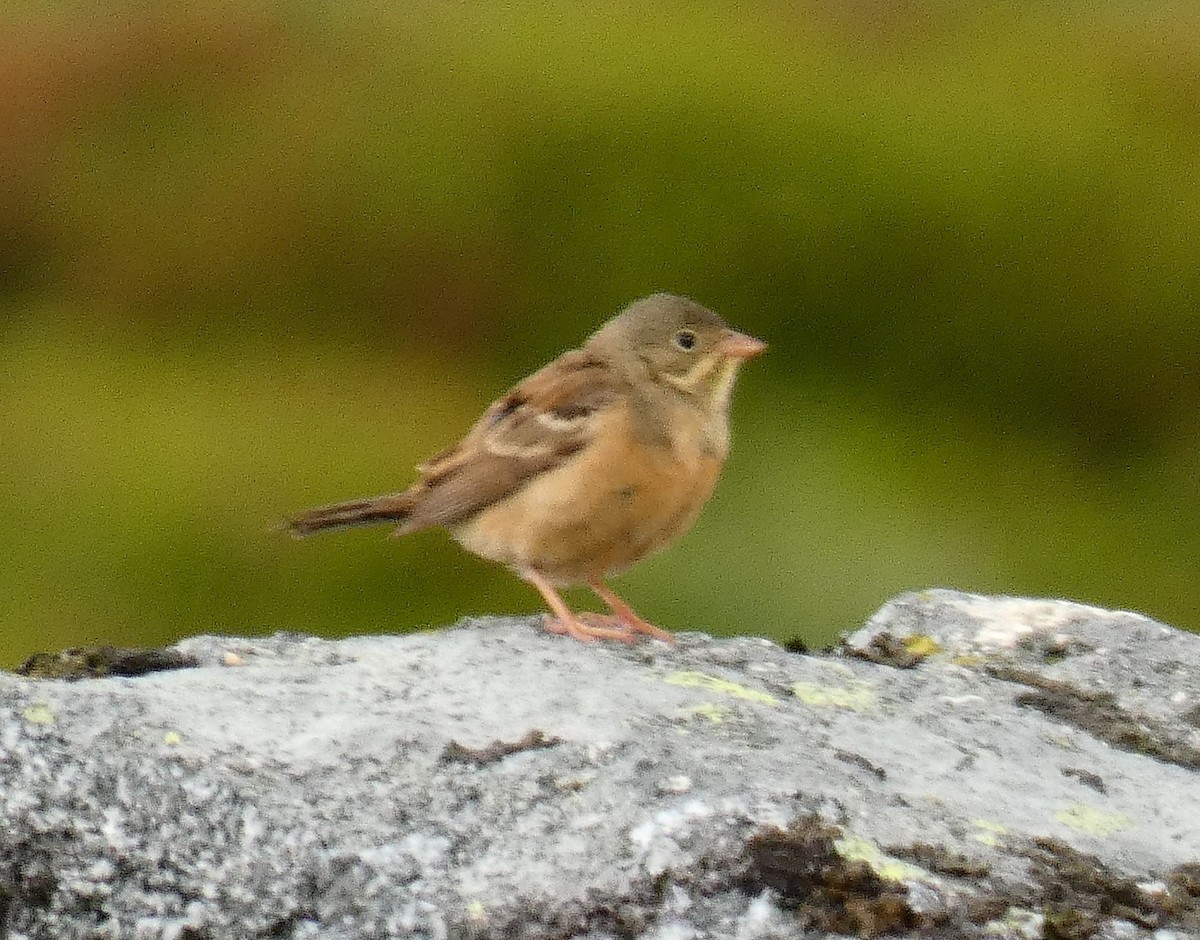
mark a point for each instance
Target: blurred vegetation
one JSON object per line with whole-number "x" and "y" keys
{"x": 258, "y": 257}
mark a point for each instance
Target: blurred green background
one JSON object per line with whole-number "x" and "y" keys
{"x": 259, "y": 257}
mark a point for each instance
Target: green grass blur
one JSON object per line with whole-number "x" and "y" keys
{"x": 259, "y": 257}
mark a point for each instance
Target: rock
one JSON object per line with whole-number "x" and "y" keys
{"x": 961, "y": 767}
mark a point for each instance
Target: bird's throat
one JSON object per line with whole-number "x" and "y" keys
{"x": 710, "y": 381}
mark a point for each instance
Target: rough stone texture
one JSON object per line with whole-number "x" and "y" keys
{"x": 961, "y": 767}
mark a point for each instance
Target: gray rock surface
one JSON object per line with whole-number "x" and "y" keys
{"x": 961, "y": 767}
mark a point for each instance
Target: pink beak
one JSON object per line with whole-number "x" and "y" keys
{"x": 741, "y": 346}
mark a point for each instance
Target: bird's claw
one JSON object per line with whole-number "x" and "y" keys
{"x": 588, "y": 628}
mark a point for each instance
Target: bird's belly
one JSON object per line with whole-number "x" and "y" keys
{"x": 573, "y": 533}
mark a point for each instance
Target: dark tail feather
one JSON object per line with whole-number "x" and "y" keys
{"x": 344, "y": 515}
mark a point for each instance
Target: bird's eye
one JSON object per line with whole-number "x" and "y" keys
{"x": 685, "y": 339}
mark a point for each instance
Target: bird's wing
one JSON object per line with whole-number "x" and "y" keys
{"x": 531, "y": 430}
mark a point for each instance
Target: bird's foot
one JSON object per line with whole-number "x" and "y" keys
{"x": 588, "y": 627}
{"x": 625, "y": 615}
{"x": 627, "y": 622}
{"x": 635, "y": 624}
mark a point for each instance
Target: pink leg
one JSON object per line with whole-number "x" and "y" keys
{"x": 625, "y": 614}
{"x": 566, "y": 622}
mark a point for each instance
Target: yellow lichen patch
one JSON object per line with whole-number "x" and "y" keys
{"x": 858, "y": 697}
{"x": 172, "y": 738}
{"x": 1093, "y": 820}
{"x": 700, "y": 680}
{"x": 921, "y": 645}
{"x": 710, "y": 710}
{"x": 39, "y": 714}
{"x": 988, "y": 832}
{"x": 855, "y": 848}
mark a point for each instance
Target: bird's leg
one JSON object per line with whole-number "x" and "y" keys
{"x": 566, "y": 622}
{"x": 625, "y": 614}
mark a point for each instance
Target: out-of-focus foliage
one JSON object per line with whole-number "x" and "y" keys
{"x": 258, "y": 257}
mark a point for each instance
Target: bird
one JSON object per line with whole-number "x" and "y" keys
{"x": 597, "y": 460}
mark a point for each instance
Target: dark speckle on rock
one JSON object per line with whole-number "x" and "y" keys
{"x": 95, "y": 662}
{"x": 498, "y": 750}
{"x": 1087, "y": 778}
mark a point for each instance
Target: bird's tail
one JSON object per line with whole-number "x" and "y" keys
{"x": 393, "y": 508}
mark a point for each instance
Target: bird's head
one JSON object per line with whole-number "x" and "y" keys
{"x": 683, "y": 346}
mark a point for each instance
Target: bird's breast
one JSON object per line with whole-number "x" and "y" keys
{"x": 616, "y": 501}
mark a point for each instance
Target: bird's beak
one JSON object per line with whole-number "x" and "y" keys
{"x": 740, "y": 346}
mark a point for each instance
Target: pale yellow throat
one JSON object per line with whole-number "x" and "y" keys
{"x": 714, "y": 370}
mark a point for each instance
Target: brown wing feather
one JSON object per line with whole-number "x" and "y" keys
{"x": 535, "y": 427}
